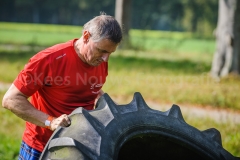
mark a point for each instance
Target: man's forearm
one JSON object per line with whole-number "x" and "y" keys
{"x": 17, "y": 102}
{"x": 19, "y": 105}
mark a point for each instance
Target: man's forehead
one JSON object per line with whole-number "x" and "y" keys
{"x": 107, "y": 45}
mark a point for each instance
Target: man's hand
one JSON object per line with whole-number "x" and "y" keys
{"x": 62, "y": 121}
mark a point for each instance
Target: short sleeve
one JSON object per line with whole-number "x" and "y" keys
{"x": 34, "y": 74}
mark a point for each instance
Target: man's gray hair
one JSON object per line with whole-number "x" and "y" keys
{"x": 104, "y": 27}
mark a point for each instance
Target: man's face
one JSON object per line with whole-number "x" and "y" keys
{"x": 94, "y": 53}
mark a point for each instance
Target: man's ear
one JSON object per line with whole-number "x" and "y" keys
{"x": 86, "y": 36}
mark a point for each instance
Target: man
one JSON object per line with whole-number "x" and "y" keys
{"x": 60, "y": 79}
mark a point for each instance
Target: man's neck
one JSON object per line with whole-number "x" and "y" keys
{"x": 77, "y": 48}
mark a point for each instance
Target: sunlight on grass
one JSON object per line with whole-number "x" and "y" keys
{"x": 164, "y": 79}
{"x": 40, "y": 27}
{"x": 47, "y": 35}
{"x": 175, "y": 89}
{"x": 35, "y": 37}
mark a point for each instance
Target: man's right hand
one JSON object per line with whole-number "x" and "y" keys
{"x": 62, "y": 121}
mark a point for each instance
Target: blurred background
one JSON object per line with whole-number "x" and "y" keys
{"x": 176, "y": 15}
{"x": 180, "y": 52}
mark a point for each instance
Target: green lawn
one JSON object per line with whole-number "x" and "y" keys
{"x": 166, "y": 67}
{"x": 11, "y": 133}
{"x": 47, "y": 35}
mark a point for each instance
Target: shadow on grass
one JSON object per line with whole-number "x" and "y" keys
{"x": 13, "y": 56}
{"x": 152, "y": 65}
{"x": 129, "y": 63}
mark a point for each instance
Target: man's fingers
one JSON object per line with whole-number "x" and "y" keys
{"x": 65, "y": 121}
{"x": 68, "y": 120}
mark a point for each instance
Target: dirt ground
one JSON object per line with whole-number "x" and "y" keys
{"x": 218, "y": 115}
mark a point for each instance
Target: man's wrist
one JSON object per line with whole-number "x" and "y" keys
{"x": 48, "y": 122}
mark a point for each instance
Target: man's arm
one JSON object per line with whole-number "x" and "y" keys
{"x": 18, "y": 103}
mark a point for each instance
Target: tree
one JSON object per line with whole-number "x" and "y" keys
{"x": 200, "y": 16}
{"x": 227, "y": 55}
{"x": 123, "y": 16}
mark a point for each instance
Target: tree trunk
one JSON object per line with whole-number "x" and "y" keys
{"x": 226, "y": 57}
{"x": 123, "y": 16}
{"x": 236, "y": 44}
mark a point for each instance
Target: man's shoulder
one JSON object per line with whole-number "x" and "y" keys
{"x": 56, "y": 51}
{"x": 59, "y": 47}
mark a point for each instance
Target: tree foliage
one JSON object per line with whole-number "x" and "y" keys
{"x": 174, "y": 15}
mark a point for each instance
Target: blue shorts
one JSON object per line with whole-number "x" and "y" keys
{"x": 28, "y": 153}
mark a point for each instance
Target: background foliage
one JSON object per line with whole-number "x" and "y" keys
{"x": 175, "y": 15}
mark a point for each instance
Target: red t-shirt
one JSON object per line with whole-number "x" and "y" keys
{"x": 58, "y": 82}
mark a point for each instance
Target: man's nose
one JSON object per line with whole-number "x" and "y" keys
{"x": 105, "y": 57}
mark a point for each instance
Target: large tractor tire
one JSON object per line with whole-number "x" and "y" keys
{"x": 132, "y": 132}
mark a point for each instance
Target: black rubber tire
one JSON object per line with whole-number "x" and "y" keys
{"x": 132, "y": 131}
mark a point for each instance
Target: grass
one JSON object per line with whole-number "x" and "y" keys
{"x": 11, "y": 133}
{"x": 47, "y": 35}
{"x": 161, "y": 78}
{"x": 229, "y": 132}
{"x": 36, "y": 34}
{"x": 12, "y": 62}
{"x": 166, "y": 68}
